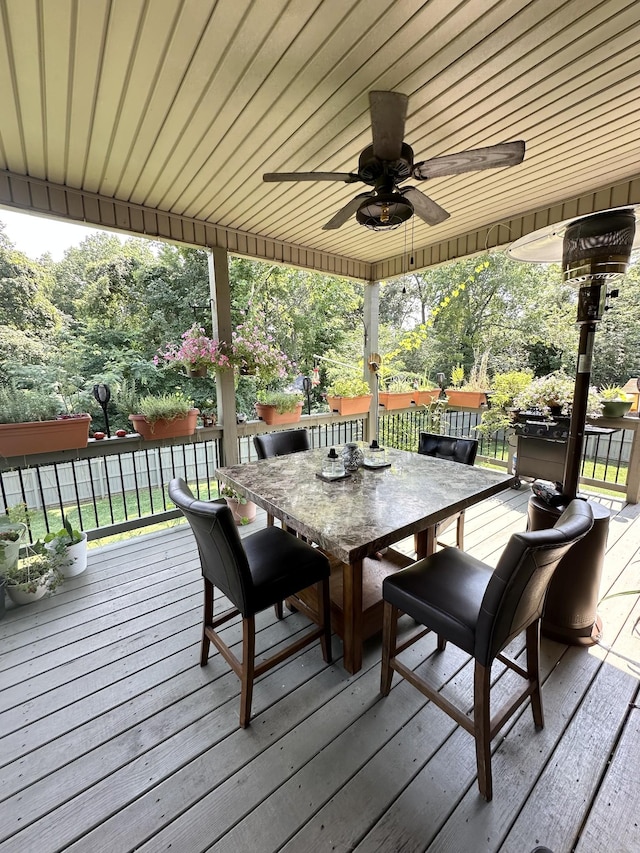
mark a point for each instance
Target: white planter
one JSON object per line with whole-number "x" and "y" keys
{"x": 20, "y": 596}
{"x": 75, "y": 557}
{"x": 9, "y": 551}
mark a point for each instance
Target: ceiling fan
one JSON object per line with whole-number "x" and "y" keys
{"x": 389, "y": 161}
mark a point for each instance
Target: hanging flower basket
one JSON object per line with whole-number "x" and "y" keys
{"x": 196, "y": 371}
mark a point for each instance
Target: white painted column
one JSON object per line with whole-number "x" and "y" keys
{"x": 225, "y": 385}
{"x": 371, "y": 344}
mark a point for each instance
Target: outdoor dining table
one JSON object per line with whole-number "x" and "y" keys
{"x": 356, "y": 518}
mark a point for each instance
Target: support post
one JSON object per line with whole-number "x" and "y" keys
{"x": 220, "y": 293}
{"x": 371, "y": 325}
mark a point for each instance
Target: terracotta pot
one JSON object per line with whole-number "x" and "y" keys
{"x": 44, "y": 436}
{"x": 350, "y": 405}
{"x": 396, "y": 399}
{"x": 270, "y": 416}
{"x": 165, "y": 429}
{"x": 423, "y": 398}
{"x": 467, "y": 399}
{"x": 242, "y": 513}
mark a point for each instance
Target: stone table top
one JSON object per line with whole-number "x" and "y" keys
{"x": 355, "y": 517}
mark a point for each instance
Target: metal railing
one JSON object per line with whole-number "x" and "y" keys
{"x": 118, "y": 485}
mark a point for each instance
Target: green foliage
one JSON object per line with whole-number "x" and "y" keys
{"x": 21, "y": 405}
{"x": 457, "y": 376}
{"x": 282, "y": 401}
{"x": 228, "y": 492}
{"x": 39, "y": 563}
{"x": 398, "y": 385}
{"x": 348, "y": 387}
{"x": 613, "y": 392}
{"x": 504, "y": 388}
{"x": 66, "y": 536}
{"x": 164, "y": 407}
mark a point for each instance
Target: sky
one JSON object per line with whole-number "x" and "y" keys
{"x": 37, "y": 235}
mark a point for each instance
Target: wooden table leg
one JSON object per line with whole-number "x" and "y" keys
{"x": 352, "y": 615}
{"x": 426, "y": 542}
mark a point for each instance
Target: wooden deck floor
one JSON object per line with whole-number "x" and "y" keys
{"x": 113, "y": 738}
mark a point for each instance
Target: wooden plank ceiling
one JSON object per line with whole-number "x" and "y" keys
{"x": 160, "y": 116}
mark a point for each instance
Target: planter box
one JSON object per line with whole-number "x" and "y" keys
{"x": 350, "y": 405}
{"x": 165, "y": 429}
{"x": 423, "y": 398}
{"x": 44, "y": 436}
{"x": 468, "y": 399}
{"x": 270, "y": 416}
{"x": 396, "y": 400}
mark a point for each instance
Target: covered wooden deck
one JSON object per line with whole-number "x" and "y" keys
{"x": 114, "y": 739}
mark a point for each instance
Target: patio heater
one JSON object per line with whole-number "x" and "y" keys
{"x": 595, "y": 251}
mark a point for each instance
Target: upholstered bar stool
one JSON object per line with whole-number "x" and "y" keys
{"x": 254, "y": 574}
{"x": 462, "y": 450}
{"x": 480, "y": 610}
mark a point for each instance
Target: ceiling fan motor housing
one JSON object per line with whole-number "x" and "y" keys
{"x": 371, "y": 168}
{"x": 384, "y": 212}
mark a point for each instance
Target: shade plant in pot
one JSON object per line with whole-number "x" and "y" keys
{"x": 242, "y": 509}
{"x": 34, "y": 575}
{"x": 552, "y": 395}
{"x": 164, "y": 416}
{"x": 71, "y": 544}
{"x": 349, "y": 396}
{"x": 31, "y": 422}
{"x": 279, "y": 407}
{"x": 398, "y": 393}
{"x": 614, "y": 401}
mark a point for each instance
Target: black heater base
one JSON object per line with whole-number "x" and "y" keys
{"x": 570, "y": 612}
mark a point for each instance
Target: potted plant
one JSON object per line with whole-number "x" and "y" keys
{"x": 398, "y": 394}
{"x": 349, "y": 396}
{"x": 197, "y": 353}
{"x": 31, "y": 422}
{"x": 425, "y": 393}
{"x": 553, "y": 395}
{"x": 34, "y": 575}
{"x": 71, "y": 544}
{"x": 165, "y": 416}
{"x": 243, "y": 510}
{"x": 279, "y": 407}
{"x": 471, "y": 394}
{"x": 614, "y": 401}
{"x": 11, "y": 535}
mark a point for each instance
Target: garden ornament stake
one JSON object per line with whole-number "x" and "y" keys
{"x": 595, "y": 251}
{"x": 102, "y": 393}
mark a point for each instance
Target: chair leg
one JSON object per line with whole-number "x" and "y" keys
{"x": 482, "y": 728}
{"x": 533, "y": 670}
{"x": 460, "y": 531}
{"x": 442, "y": 643}
{"x": 277, "y": 608}
{"x": 389, "y": 638}
{"x": 248, "y": 667}
{"x": 207, "y": 619}
{"x": 323, "y": 595}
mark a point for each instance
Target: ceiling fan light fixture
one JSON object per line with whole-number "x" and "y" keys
{"x": 384, "y": 212}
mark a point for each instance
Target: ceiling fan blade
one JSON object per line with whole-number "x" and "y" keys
{"x": 346, "y": 212}
{"x": 426, "y": 208}
{"x": 493, "y": 157}
{"x": 388, "y": 114}
{"x": 347, "y": 177}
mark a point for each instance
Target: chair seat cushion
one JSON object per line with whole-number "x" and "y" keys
{"x": 443, "y": 592}
{"x": 281, "y": 565}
